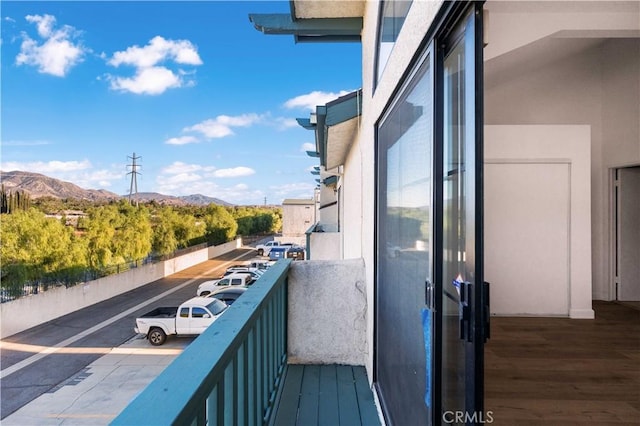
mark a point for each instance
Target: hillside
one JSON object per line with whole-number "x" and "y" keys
{"x": 38, "y": 185}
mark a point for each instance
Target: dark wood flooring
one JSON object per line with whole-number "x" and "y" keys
{"x": 558, "y": 371}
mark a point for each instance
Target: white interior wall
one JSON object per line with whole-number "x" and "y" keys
{"x": 543, "y": 145}
{"x": 526, "y": 224}
{"x": 597, "y": 85}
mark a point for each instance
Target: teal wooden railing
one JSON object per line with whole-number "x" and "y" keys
{"x": 230, "y": 374}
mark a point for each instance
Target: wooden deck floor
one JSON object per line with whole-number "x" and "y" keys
{"x": 557, "y": 371}
{"x": 331, "y": 395}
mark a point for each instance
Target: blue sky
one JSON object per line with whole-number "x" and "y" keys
{"x": 206, "y": 101}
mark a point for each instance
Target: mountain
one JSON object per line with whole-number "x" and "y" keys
{"x": 199, "y": 199}
{"x": 38, "y": 185}
{"x": 196, "y": 199}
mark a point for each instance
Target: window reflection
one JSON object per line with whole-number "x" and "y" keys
{"x": 393, "y": 16}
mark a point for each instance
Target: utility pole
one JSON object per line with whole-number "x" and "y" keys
{"x": 265, "y": 201}
{"x": 133, "y": 188}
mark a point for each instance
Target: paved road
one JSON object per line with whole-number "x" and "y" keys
{"x": 42, "y": 358}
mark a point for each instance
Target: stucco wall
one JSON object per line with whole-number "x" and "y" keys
{"x": 317, "y": 334}
{"x": 358, "y": 190}
{"x": 26, "y": 312}
{"x": 325, "y": 246}
{"x": 297, "y": 218}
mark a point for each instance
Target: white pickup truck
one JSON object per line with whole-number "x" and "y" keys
{"x": 192, "y": 317}
{"x": 265, "y": 249}
{"x": 206, "y": 287}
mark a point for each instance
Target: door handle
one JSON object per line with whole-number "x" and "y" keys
{"x": 464, "y": 311}
{"x": 429, "y": 295}
{"x": 487, "y": 312}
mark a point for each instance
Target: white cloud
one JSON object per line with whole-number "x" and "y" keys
{"x": 182, "y": 140}
{"x": 150, "y": 78}
{"x": 147, "y": 81}
{"x": 57, "y": 54}
{"x": 234, "y": 172}
{"x": 157, "y": 50}
{"x": 313, "y": 99}
{"x": 44, "y": 24}
{"x": 222, "y": 125}
{"x": 284, "y": 123}
{"x": 46, "y": 166}
{"x": 308, "y": 146}
{"x": 178, "y": 167}
{"x": 298, "y": 189}
{"x": 25, "y": 143}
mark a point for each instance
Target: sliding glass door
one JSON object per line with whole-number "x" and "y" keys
{"x": 430, "y": 299}
{"x": 461, "y": 305}
{"x": 405, "y": 143}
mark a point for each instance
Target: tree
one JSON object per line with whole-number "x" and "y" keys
{"x": 100, "y": 231}
{"x": 35, "y": 247}
{"x": 219, "y": 224}
{"x": 133, "y": 236}
{"x": 164, "y": 235}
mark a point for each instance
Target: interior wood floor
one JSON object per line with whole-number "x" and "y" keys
{"x": 559, "y": 371}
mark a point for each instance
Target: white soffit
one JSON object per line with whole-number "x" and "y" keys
{"x": 308, "y": 9}
{"x": 339, "y": 139}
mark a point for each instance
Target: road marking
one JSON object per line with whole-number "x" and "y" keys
{"x": 57, "y": 347}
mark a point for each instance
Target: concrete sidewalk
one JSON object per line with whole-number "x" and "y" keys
{"x": 98, "y": 393}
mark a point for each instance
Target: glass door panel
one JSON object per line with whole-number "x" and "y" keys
{"x": 453, "y": 229}
{"x": 405, "y": 140}
{"x": 459, "y": 272}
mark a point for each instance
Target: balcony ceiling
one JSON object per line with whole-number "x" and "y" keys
{"x": 315, "y": 21}
{"x": 309, "y": 9}
{"x": 339, "y": 128}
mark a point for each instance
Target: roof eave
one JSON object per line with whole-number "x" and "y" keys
{"x": 309, "y": 30}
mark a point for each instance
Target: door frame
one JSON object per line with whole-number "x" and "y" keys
{"x": 448, "y": 18}
{"x": 474, "y": 351}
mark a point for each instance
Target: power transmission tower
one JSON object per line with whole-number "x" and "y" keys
{"x": 133, "y": 188}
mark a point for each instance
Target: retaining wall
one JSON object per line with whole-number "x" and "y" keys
{"x": 29, "y": 311}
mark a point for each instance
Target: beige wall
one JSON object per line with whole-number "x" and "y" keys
{"x": 358, "y": 226}
{"x": 297, "y": 218}
{"x": 336, "y": 334}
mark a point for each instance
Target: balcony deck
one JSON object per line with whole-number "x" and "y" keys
{"x": 326, "y": 395}
{"x": 565, "y": 371}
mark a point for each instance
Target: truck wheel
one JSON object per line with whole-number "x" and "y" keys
{"x": 204, "y": 293}
{"x": 260, "y": 252}
{"x": 157, "y": 336}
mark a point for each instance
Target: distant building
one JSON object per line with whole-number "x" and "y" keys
{"x": 298, "y": 215}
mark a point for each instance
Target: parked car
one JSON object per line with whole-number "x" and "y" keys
{"x": 296, "y": 253}
{"x": 254, "y": 275}
{"x": 235, "y": 269}
{"x": 230, "y": 280}
{"x": 278, "y": 252}
{"x": 265, "y": 249}
{"x": 228, "y": 294}
{"x": 260, "y": 264}
{"x": 191, "y": 317}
